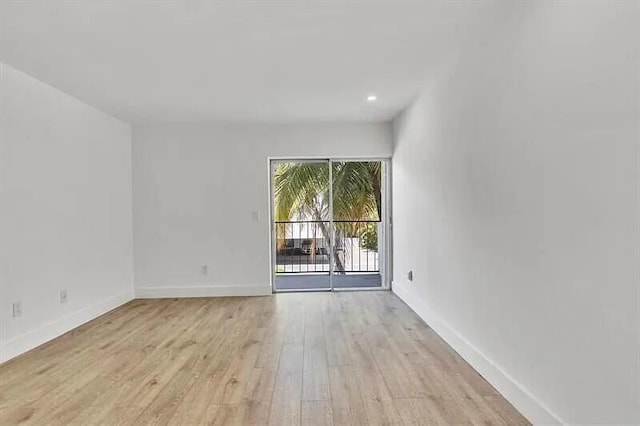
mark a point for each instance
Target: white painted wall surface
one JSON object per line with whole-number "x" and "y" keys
{"x": 196, "y": 186}
{"x": 516, "y": 203}
{"x": 65, "y": 211}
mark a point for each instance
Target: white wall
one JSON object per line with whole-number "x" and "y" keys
{"x": 516, "y": 202}
{"x": 65, "y": 212}
{"x": 196, "y": 186}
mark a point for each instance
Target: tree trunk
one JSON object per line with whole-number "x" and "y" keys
{"x": 327, "y": 235}
{"x": 377, "y": 191}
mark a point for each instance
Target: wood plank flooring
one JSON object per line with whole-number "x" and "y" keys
{"x": 352, "y": 358}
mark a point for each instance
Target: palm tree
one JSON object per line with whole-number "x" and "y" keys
{"x": 303, "y": 189}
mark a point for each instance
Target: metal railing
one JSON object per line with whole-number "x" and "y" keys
{"x": 303, "y": 246}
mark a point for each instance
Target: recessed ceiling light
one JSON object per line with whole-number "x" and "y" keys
{"x": 372, "y": 98}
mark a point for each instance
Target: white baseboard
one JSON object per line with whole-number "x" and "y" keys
{"x": 25, "y": 342}
{"x": 202, "y": 291}
{"x": 528, "y": 405}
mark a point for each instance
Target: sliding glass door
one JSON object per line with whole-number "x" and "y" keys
{"x": 357, "y": 219}
{"x": 328, "y": 228}
{"x": 301, "y": 225}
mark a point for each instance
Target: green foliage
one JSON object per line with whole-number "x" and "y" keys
{"x": 356, "y": 190}
{"x": 369, "y": 237}
{"x": 301, "y": 188}
{"x": 304, "y": 188}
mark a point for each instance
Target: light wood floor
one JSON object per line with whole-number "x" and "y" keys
{"x": 308, "y": 358}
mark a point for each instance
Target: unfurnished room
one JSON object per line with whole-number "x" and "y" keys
{"x": 320, "y": 212}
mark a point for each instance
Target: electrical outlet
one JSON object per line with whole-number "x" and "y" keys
{"x": 17, "y": 309}
{"x": 410, "y": 275}
{"x": 63, "y": 296}
{"x": 204, "y": 270}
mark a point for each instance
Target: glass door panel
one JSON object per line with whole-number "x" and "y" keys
{"x": 357, "y": 207}
{"x": 302, "y": 225}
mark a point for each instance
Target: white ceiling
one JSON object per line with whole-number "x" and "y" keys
{"x": 277, "y": 61}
